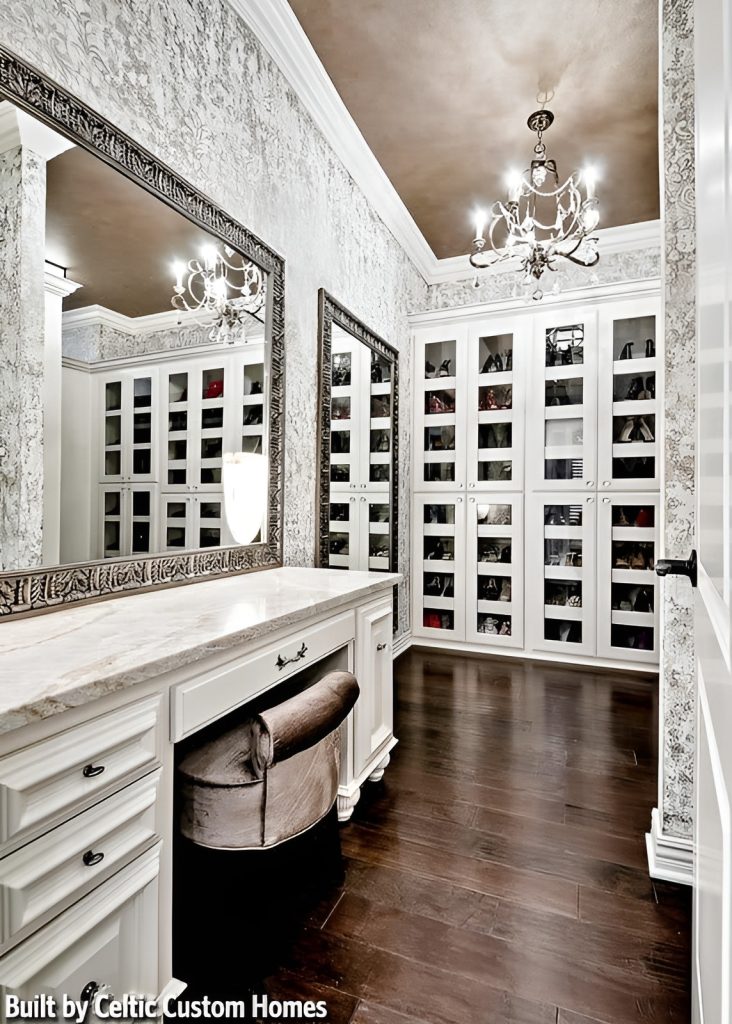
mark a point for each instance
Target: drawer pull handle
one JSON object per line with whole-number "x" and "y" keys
{"x": 90, "y": 858}
{"x": 89, "y": 991}
{"x": 381, "y": 647}
{"x": 281, "y": 662}
{"x": 92, "y": 770}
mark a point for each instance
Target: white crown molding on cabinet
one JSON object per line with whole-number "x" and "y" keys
{"x": 100, "y": 316}
{"x": 55, "y": 283}
{"x": 277, "y": 28}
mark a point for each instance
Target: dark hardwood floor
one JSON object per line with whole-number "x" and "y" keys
{"x": 498, "y": 873}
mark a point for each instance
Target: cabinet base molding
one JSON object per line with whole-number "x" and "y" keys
{"x": 670, "y": 858}
{"x": 459, "y": 646}
{"x": 402, "y": 643}
{"x": 346, "y": 802}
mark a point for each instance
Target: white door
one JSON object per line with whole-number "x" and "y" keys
{"x": 712, "y": 966}
{"x": 494, "y": 569}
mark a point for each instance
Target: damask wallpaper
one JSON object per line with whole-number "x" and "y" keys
{"x": 164, "y": 74}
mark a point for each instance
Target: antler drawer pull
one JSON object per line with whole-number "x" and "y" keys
{"x": 281, "y": 662}
{"x": 90, "y": 858}
{"x": 91, "y": 770}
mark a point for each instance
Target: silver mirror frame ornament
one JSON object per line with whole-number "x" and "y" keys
{"x": 31, "y": 591}
{"x": 329, "y": 312}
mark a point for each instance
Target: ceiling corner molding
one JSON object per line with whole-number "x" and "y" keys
{"x": 101, "y": 316}
{"x": 277, "y": 28}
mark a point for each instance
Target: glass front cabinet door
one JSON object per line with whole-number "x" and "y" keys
{"x": 494, "y": 570}
{"x": 561, "y": 563}
{"x": 128, "y": 419}
{"x": 627, "y": 548}
{"x": 628, "y": 452}
{"x": 439, "y": 566}
{"x": 562, "y": 448}
{"x": 439, "y": 442}
{"x": 494, "y": 405}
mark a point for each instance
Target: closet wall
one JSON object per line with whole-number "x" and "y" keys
{"x": 164, "y": 74}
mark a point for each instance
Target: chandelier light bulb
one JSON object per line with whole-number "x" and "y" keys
{"x": 179, "y": 269}
{"x": 589, "y": 177}
{"x": 479, "y": 219}
{"x": 208, "y": 252}
{"x": 514, "y": 182}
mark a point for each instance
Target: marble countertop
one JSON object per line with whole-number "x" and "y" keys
{"x": 66, "y": 658}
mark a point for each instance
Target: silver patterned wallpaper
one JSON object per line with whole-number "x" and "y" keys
{"x": 634, "y": 265}
{"x": 163, "y": 73}
{"x": 22, "y": 311}
{"x": 678, "y": 668}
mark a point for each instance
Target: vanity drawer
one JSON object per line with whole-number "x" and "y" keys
{"x": 110, "y": 938}
{"x": 49, "y": 873}
{"x": 203, "y": 700}
{"x": 54, "y": 778}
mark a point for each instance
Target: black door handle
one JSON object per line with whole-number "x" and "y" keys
{"x": 679, "y": 567}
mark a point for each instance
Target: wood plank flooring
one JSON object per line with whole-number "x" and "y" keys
{"x": 498, "y": 873}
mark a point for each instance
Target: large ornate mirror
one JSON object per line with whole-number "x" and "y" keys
{"x": 358, "y": 514}
{"x": 140, "y": 361}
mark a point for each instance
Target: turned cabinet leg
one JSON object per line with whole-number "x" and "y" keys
{"x": 378, "y": 773}
{"x": 346, "y": 805}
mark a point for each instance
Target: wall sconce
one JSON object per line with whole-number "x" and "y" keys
{"x": 245, "y": 476}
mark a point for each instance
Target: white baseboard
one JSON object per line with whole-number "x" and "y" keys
{"x": 402, "y": 643}
{"x": 590, "y": 661}
{"x": 670, "y": 858}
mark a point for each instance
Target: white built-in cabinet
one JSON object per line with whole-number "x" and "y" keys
{"x": 359, "y": 534}
{"x": 160, "y": 426}
{"x": 535, "y": 477}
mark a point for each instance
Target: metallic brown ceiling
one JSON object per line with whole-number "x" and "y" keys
{"x": 113, "y": 237}
{"x": 441, "y": 90}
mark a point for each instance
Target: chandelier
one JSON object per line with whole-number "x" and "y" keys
{"x": 540, "y": 220}
{"x": 225, "y": 284}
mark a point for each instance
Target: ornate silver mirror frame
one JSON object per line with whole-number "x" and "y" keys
{"x": 329, "y": 312}
{"x": 36, "y": 590}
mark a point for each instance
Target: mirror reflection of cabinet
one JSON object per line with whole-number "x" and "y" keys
{"x": 128, "y": 426}
{"x": 358, "y": 395}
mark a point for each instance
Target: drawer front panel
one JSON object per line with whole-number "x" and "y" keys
{"x": 57, "y": 775}
{"x": 110, "y": 937}
{"x": 52, "y": 871}
{"x": 203, "y": 700}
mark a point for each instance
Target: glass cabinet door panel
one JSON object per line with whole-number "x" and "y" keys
{"x": 343, "y": 532}
{"x": 627, "y": 550}
{"x": 439, "y": 371}
{"x": 495, "y": 568}
{"x": 562, "y": 450}
{"x": 439, "y": 539}
{"x": 628, "y": 448}
{"x": 561, "y": 552}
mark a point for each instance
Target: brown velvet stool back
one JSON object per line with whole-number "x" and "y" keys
{"x": 271, "y": 777}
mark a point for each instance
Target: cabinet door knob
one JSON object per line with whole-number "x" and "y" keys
{"x": 472, "y": 501}
{"x": 90, "y": 858}
{"x": 459, "y": 501}
{"x": 461, "y": 485}
{"x": 605, "y": 483}
{"x": 606, "y": 501}
{"x": 90, "y": 771}
{"x": 472, "y": 485}
{"x": 352, "y": 498}
{"x": 363, "y": 497}
{"x": 381, "y": 647}
{"x": 89, "y": 991}
{"x": 590, "y": 501}
{"x": 590, "y": 483}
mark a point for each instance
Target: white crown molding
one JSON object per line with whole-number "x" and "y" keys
{"x": 100, "y": 316}
{"x": 670, "y": 858}
{"x": 277, "y": 28}
{"x": 20, "y": 129}
{"x": 55, "y": 283}
{"x": 279, "y": 31}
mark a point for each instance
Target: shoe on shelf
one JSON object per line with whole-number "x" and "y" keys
{"x": 645, "y": 431}
{"x": 626, "y": 351}
{"x": 505, "y": 591}
{"x": 650, "y": 348}
{"x": 626, "y": 434}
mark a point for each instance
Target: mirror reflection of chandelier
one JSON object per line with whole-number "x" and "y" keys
{"x": 540, "y": 220}
{"x": 225, "y": 284}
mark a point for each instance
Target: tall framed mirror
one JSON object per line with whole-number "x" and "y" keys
{"x": 358, "y": 511}
{"x": 141, "y": 363}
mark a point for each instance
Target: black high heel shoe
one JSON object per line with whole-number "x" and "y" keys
{"x": 429, "y": 369}
{"x": 627, "y": 350}
{"x": 650, "y": 348}
{"x": 498, "y": 363}
{"x": 487, "y": 365}
{"x": 444, "y": 370}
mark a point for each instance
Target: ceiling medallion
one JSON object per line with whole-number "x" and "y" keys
{"x": 225, "y": 284}
{"x": 541, "y": 220}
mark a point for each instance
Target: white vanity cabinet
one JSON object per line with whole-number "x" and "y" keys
{"x": 87, "y": 796}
